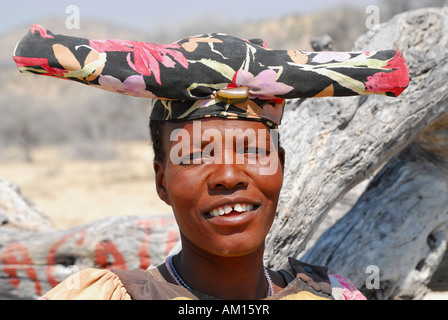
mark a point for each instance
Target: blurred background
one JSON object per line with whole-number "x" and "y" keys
{"x": 81, "y": 153}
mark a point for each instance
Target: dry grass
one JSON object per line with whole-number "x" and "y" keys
{"x": 75, "y": 192}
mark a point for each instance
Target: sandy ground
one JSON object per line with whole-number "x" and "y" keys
{"x": 74, "y": 192}
{"x": 436, "y": 295}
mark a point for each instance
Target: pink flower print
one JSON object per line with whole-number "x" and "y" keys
{"x": 394, "y": 81}
{"x": 273, "y": 112}
{"x": 147, "y": 56}
{"x": 42, "y": 31}
{"x": 349, "y": 291}
{"x": 26, "y": 64}
{"x": 263, "y": 86}
{"x": 328, "y": 56}
{"x": 132, "y": 85}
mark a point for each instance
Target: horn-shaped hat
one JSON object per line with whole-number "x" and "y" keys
{"x": 212, "y": 74}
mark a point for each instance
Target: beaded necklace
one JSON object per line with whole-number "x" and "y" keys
{"x": 178, "y": 279}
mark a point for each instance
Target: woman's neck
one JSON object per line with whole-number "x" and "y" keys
{"x": 239, "y": 277}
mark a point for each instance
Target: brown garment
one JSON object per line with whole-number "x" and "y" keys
{"x": 310, "y": 282}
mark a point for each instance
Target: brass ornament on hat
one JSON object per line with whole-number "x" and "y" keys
{"x": 233, "y": 95}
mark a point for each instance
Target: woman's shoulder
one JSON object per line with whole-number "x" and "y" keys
{"x": 317, "y": 277}
{"x": 89, "y": 284}
{"x": 104, "y": 284}
{"x": 344, "y": 289}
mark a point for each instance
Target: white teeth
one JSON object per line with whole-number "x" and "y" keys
{"x": 239, "y": 207}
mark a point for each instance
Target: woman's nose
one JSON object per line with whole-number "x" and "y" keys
{"x": 227, "y": 177}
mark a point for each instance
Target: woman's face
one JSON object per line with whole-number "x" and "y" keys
{"x": 223, "y": 179}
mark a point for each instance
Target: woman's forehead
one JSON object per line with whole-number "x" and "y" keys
{"x": 215, "y": 123}
{"x": 215, "y": 129}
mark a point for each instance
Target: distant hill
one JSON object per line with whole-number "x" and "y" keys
{"x": 294, "y": 32}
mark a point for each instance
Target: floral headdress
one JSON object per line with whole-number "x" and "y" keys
{"x": 212, "y": 74}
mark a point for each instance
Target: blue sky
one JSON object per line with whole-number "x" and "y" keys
{"x": 155, "y": 14}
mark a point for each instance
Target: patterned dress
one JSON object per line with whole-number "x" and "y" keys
{"x": 309, "y": 283}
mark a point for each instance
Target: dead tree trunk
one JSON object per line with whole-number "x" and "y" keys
{"x": 32, "y": 262}
{"x": 332, "y": 144}
{"x": 439, "y": 280}
{"x": 17, "y": 211}
{"x": 399, "y": 225}
{"x": 34, "y": 257}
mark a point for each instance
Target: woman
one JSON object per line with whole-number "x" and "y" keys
{"x": 222, "y": 253}
{"x": 218, "y": 101}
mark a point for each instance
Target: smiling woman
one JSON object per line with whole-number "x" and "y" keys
{"x": 225, "y": 187}
{"x": 226, "y": 213}
{"x": 214, "y": 125}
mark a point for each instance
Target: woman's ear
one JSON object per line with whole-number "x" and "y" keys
{"x": 159, "y": 170}
{"x": 281, "y": 156}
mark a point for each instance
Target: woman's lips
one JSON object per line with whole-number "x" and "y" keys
{"x": 231, "y": 209}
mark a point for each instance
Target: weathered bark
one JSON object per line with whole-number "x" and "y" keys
{"x": 439, "y": 280}
{"x": 32, "y": 262}
{"x": 17, "y": 211}
{"x": 342, "y": 141}
{"x": 399, "y": 225}
{"x": 34, "y": 257}
{"x": 332, "y": 144}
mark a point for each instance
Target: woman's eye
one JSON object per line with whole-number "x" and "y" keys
{"x": 251, "y": 150}
{"x": 196, "y": 155}
{"x": 196, "y": 158}
{"x": 256, "y": 151}
{"x": 191, "y": 158}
